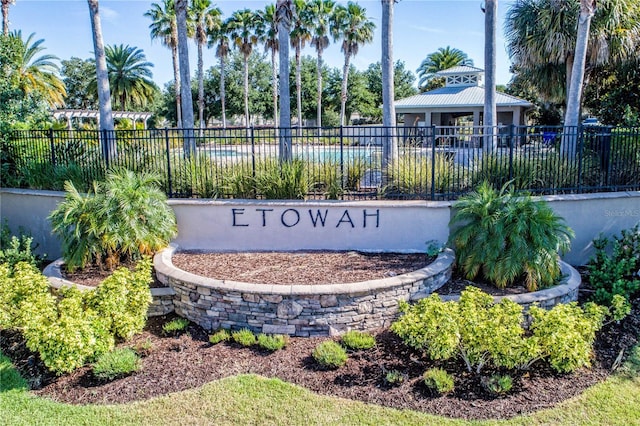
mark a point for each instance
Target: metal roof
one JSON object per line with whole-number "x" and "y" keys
{"x": 468, "y": 96}
{"x": 463, "y": 69}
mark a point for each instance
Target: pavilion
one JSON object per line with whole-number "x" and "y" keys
{"x": 68, "y": 114}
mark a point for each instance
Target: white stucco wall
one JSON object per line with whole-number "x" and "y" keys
{"x": 405, "y": 226}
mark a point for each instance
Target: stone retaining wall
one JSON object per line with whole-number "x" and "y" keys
{"x": 297, "y": 310}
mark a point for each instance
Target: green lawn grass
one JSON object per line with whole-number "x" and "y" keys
{"x": 254, "y": 400}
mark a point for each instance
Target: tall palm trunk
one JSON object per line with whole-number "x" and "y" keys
{"x": 390, "y": 147}
{"x": 109, "y": 149}
{"x": 223, "y": 94}
{"x": 299, "y": 83}
{"x": 176, "y": 81}
{"x": 284, "y": 24}
{"x": 246, "y": 90}
{"x": 319, "y": 93}
{"x": 200, "y": 89}
{"x": 5, "y": 16}
{"x": 185, "y": 77}
{"x": 274, "y": 86}
{"x": 574, "y": 97}
{"x": 343, "y": 91}
{"x": 490, "y": 114}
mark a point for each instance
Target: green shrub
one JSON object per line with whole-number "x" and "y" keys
{"x": 115, "y": 364}
{"x": 14, "y": 249}
{"x": 272, "y": 343}
{"x": 504, "y": 237}
{"x": 357, "y": 340}
{"x": 394, "y": 377}
{"x": 566, "y": 333}
{"x": 123, "y": 299}
{"x": 620, "y": 308}
{"x": 24, "y": 294}
{"x": 438, "y": 380}
{"x": 329, "y": 354}
{"x": 244, "y": 337}
{"x": 124, "y": 217}
{"x": 614, "y": 268}
{"x": 221, "y": 335}
{"x": 175, "y": 326}
{"x": 498, "y": 384}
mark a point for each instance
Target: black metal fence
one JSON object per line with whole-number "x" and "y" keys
{"x": 360, "y": 162}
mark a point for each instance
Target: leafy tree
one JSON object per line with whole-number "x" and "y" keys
{"x": 308, "y": 80}
{"x": 354, "y": 28}
{"x": 268, "y": 34}
{"x": 38, "y": 74}
{"x": 614, "y": 94}
{"x": 242, "y": 27}
{"x": 360, "y": 99}
{"x": 442, "y": 59}
{"x": 403, "y": 81}
{"x": 74, "y": 74}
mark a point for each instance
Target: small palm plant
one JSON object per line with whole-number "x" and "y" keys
{"x": 505, "y": 236}
{"x": 122, "y": 218}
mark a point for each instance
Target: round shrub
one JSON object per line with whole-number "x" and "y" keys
{"x": 498, "y": 384}
{"x": 272, "y": 343}
{"x": 244, "y": 337}
{"x": 221, "y": 335}
{"x": 394, "y": 377}
{"x": 329, "y": 354}
{"x": 438, "y": 380}
{"x": 115, "y": 364}
{"x": 358, "y": 340}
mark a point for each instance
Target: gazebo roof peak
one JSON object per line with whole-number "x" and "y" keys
{"x": 461, "y": 69}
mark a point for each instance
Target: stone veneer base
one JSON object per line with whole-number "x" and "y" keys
{"x": 297, "y": 310}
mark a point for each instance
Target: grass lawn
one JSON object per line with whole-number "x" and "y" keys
{"x": 254, "y": 400}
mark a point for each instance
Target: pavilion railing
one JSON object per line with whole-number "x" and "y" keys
{"x": 359, "y": 162}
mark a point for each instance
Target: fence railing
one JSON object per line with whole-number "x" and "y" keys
{"x": 433, "y": 163}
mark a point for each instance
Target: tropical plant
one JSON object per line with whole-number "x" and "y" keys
{"x": 129, "y": 77}
{"x": 490, "y": 116}
{"x": 164, "y": 26}
{"x": 124, "y": 217}
{"x": 117, "y": 363}
{"x": 352, "y": 26}
{"x": 505, "y": 236}
{"x": 109, "y": 149}
{"x": 330, "y": 354}
{"x": 390, "y": 143}
{"x": 207, "y": 18}
{"x": 242, "y": 26}
{"x": 319, "y": 14}
{"x": 38, "y": 74}
{"x": 438, "y": 380}
{"x": 440, "y": 60}
{"x": 284, "y": 16}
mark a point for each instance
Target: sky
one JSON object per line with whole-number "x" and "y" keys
{"x": 420, "y": 27}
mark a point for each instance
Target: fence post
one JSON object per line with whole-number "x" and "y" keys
{"x": 105, "y": 143}
{"x": 511, "y": 146}
{"x": 253, "y": 153}
{"x": 433, "y": 163}
{"x": 341, "y": 158}
{"x": 168, "y": 151}
{"x": 580, "y": 150}
{"x": 53, "y": 147}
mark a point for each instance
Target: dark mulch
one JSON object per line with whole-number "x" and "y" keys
{"x": 92, "y": 275}
{"x": 188, "y": 361}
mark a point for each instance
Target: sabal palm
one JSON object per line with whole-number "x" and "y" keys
{"x": 219, "y": 36}
{"x": 319, "y": 14}
{"x": 39, "y": 74}
{"x": 268, "y": 34}
{"x": 206, "y": 17}
{"x": 300, "y": 36}
{"x": 242, "y": 27}
{"x": 442, "y": 59}
{"x": 354, "y": 28}
{"x": 5, "y": 15}
{"x": 390, "y": 145}
{"x": 541, "y": 32}
{"x": 130, "y": 76}
{"x": 164, "y": 26}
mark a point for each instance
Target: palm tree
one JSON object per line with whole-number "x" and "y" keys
{"x": 219, "y": 36}
{"x": 206, "y": 18}
{"x": 300, "y": 35}
{"x": 5, "y": 15}
{"x": 352, "y": 25}
{"x": 284, "y": 15}
{"x": 541, "y": 33}
{"x": 490, "y": 115}
{"x": 38, "y": 74}
{"x": 130, "y": 76}
{"x": 390, "y": 147}
{"x": 268, "y": 34}
{"x": 442, "y": 59}
{"x": 185, "y": 76}
{"x": 242, "y": 26}
{"x": 164, "y": 27}
{"x": 572, "y": 115}
{"x": 319, "y": 15}
{"x": 109, "y": 149}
